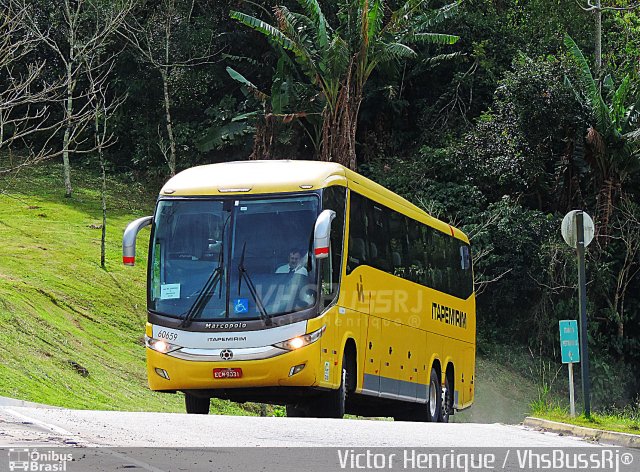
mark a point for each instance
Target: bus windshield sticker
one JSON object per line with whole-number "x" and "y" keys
{"x": 169, "y": 291}
{"x": 241, "y": 305}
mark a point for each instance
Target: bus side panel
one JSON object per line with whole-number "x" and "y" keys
{"x": 391, "y": 359}
{"x": 350, "y": 324}
{"x": 435, "y": 348}
{"x": 468, "y": 386}
{"x": 413, "y": 348}
{"x": 327, "y": 346}
{"x": 374, "y": 350}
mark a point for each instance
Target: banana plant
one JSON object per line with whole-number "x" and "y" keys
{"x": 338, "y": 60}
{"x": 613, "y": 137}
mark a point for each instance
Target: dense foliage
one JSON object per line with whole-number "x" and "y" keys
{"x": 500, "y": 133}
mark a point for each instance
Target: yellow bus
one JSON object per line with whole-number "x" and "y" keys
{"x": 305, "y": 284}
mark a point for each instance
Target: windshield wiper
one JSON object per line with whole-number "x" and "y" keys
{"x": 203, "y": 297}
{"x": 252, "y": 288}
{"x": 209, "y": 286}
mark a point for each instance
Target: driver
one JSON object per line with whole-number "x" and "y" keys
{"x": 294, "y": 266}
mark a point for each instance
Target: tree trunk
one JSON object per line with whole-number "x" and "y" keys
{"x": 103, "y": 238}
{"x": 340, "y": 125}
{"x": 598, "y": 40}
{"x": 264, "y": 139}
{"x": 604, "y": 200}
{"x": 167, "y": 111}
{"x": 67, "y": 132}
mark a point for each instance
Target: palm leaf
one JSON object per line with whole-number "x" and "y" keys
{"x": 269, "y": 31}
{"x": 397, "y": 51}
{"x": 376, "y": 17}
{"x": 632, "y": 135}
{"x": 619, "y": 99}
{"x": 295, "y": 28}
{"x": 631, "y": 115}
{"x": 432, "y": 38}
{"x": 585, "y": 77}
{"x": 607, "y": 82}
{"x": 402, "y": 14}
{"x": 217, "y": 137}
{"x": 431, "y": 19}
{"x": 598, "y": 107}
{"x": 238, "y": 77}
{"x": 312, "y": 7}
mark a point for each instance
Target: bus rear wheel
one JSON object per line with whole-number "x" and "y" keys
{"x": 447, "y": 401}
{"x": 197, "y": 405}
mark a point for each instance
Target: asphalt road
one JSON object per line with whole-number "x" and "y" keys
{"x": 31, "y": 426}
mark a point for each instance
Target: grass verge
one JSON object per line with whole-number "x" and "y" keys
{"x": 625, "y": 421}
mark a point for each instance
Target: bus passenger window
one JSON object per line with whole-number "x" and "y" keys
{"x": 358, "y": 250}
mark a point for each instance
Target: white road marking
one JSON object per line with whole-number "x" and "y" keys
{"x": 51, "y": 427}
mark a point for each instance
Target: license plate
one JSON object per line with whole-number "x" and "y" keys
{"x": 232, "y": 373}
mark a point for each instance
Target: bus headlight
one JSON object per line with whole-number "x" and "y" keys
{"x": 160, "y": 345}
{"x": 301, "y": 341}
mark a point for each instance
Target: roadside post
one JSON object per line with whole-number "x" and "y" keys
{"x": 578, "y": 231}
{"x": 570, "y": 348}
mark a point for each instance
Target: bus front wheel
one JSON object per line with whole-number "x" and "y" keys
{"x": 332, "y": 404}
{"x": 296, "y": 410}
{"x": 197, "y": 405}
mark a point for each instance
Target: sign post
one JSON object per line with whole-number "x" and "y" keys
{"x": 570, "y": 348}
{"x": 578, "y": 231}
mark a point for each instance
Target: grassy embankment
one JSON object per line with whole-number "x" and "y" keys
{"x": 72, "y": 332}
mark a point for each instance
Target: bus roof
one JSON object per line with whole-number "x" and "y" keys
{"x": 277, "y": 176}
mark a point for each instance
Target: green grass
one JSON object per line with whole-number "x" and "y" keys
{"x": 59, "y": 308}
{"x": 626, "y": 421}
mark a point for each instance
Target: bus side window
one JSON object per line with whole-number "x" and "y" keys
{"x": 378, "y": 237}
{"x": 398, "y": 242}
{"x": 358, "y": 247}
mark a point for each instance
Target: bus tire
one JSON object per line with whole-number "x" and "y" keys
{"x": 332, "y": 404}
{"x": 447, "y": 401}
{"x": 197, "y": 405}
{"x": 434, "y": 403}
{"x": 296, "y": 411}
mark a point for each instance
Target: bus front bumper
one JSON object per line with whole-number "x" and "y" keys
{"x": 272, "y": 372}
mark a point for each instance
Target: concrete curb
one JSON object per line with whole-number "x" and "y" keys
{"x": 606, "y": 437}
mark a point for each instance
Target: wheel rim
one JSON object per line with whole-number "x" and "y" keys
{"x": 446, "y": 399}
{"x": 433, "y": 400}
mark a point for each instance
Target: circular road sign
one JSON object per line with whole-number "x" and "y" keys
{"x": 570, "y": 229}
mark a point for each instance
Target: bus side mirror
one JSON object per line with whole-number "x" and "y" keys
{"x": 322, "y": 233}
{"x": 129, "y": 239}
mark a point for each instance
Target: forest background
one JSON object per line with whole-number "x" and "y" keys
{"x": 498, "y": 116}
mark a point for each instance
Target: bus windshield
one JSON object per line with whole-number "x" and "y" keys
{"x": 261, "y": 247}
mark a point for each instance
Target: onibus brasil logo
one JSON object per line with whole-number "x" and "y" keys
{"x": 29, "y": 460}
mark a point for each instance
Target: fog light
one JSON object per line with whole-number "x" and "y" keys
{"x": 162, "y": 373}
{"x": 295, "y": 369}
